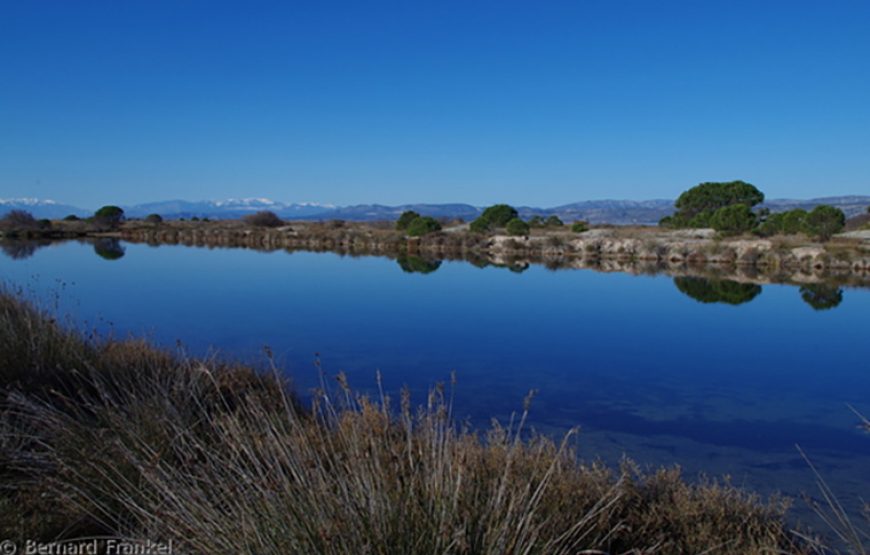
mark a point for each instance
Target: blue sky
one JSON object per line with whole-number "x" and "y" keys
{"x": 538, "y": 103}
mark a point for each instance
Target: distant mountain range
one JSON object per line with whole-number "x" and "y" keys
{"x": 618, "y": 212}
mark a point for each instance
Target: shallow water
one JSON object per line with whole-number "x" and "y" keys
{"x": 645, "y": 369}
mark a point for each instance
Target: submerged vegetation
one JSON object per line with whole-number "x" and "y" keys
{"x": 117, "y": 438}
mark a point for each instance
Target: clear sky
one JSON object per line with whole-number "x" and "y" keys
{"x": 538, "y": 103}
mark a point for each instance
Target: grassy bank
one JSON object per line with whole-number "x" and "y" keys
{"x": 118, "y": 438}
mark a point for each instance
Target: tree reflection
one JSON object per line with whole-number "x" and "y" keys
{"x": 21, "y": 249}
{"x": 109, "y": 249}
{"x": 416, "y": 265}
{"x": 717, "y": 290}
{"x": 821, "y": 296}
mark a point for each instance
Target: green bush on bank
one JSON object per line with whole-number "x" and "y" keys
{"x": 405, "y": 219}
{"x": 497, "y": 215}
{"x": 517, "y": 227}
{"x": 422, "y": 225}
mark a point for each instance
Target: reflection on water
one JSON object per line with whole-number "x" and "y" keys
{"x": 108, "y": 248}
{"x": 23, "y": 248}
{"x": 821, "y": 296}
{"x": 417, "y": 265}
{"x": 717, "y": 290}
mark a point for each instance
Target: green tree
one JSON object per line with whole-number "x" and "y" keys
{"x": 554, "y": 221}
{"x": 733, "y": 219}
{"x": 821, "y": 296}
{"x": 154, "y": 218}
{"x": 109, "y": 215}
{"x": 497, "y": 215}
{"x": 724, "y": 291}
{"x": 264, "y": 218}
{"x": 517, "y": 227}
{"x": 580, "y": 226}
{"x": 824, "y": 221}
{"x": 405, "y": 219}
{"x": 421, "y": 225}
{"x": 696, "y": 206}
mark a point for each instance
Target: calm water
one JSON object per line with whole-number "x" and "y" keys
{"x": 643, "y": 367}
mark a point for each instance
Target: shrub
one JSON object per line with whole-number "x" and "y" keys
{"x": 553, "y": 221}
{"x": 405, "y": 219}
{"x": 580, "y": 226}
{"x": 154, "y": 218}
{"x": 733, "y": 219}
{"x": 517, "y": 227}
{"x": 497, "y": 215}
{"x": 696, "y": 207}
{"x": 421, "y": 225}
{"x": 109, "y": 215}
{"x": 18, "y": 219}
{"x": 264, "y": 218}
{"x": 824, "y": 221}
{"x": 536, "y": 221}
{"x": 71, "y": 218}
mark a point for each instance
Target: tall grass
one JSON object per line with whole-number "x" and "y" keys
{"x": 118, "y": 438}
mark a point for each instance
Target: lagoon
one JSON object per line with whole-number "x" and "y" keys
{"x": 644, "y": 368}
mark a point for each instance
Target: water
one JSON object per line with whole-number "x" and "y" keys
{"x": 641, "y": 366}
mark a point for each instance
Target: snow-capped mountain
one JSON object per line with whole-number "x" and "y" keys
{"x": 41, "y": 208}
{"x": 229, "y": 208}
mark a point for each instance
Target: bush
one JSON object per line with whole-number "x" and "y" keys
{"x": 154, "y": 218}
{"x": 109, "y": 215}
{"x": 497, "y": 215}
{"x": 71, "y": 218}
{"x": 517, "y": 227}
{"x": 580, "y": 226}
{"x": 421, "y": 225}
{"x": 696, "y": 207}
{"x": 264, "y": 218}
{"x": 405, "y": 219}
{"x": 824, "y": 221}
{"x": 18, "y": 220}
{"x": 553, "y": 221}
{"x": 733, "y": 219}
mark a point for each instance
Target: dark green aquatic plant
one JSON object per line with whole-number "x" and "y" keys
{"x": 717, "y": 290}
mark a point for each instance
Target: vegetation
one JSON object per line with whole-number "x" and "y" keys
{"x": 221, "y": 459}
{"x": 264, "y": 218}
{"x": 18, "y": 220}
{"x": 821, "y": 222}
{"x": 109, "y": 215}
{"x": 580, "y": 226}
{"x": 517, "y": 227}
{"x": 824, "y": 221}
{"x": 497, "y": 215}
{"x": 548, "y": 222}
{"x": 154, "y": 218}
{"x": 422, "y": 225}
{"x": 405, "y": 219}
{"x": 733, "y": 219}
{"x": 71, "y": 218}
{"x": 109, "y": 249}
{"x": 696, "y": 207}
